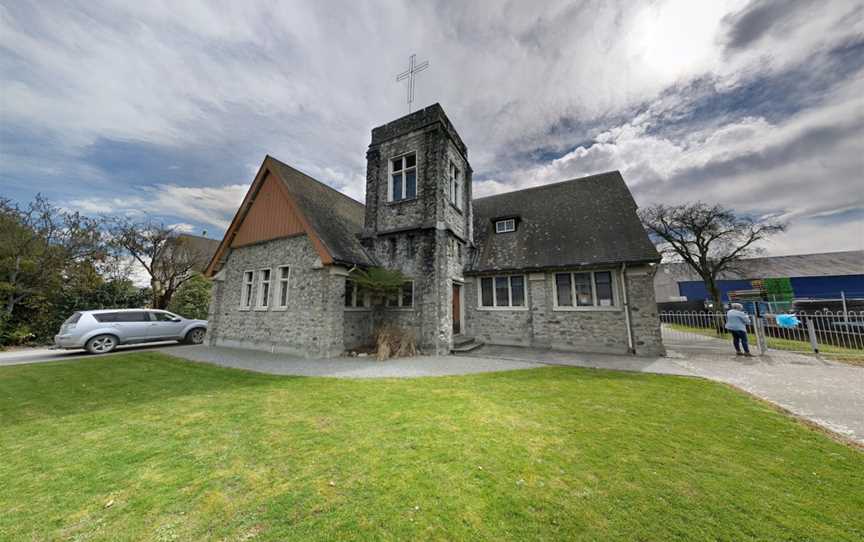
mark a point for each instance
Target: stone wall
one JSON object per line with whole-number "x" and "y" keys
{"x": 541, "y": 325}
{"x": 644, "y": 316}
{"x": 357, "y": 328}
{"x": 425, "y": 238}
{"x": 312, "y": 323}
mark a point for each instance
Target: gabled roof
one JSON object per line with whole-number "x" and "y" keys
{"x": 331, "y": 219}
{"x": 824, "y": 264}
{"x": 582, "y": 222}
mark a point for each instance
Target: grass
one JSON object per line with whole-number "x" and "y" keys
{"x": 145, "y": 446}
{"x": 853, "y": 356}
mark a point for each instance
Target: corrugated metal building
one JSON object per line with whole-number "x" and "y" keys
{"x": 812, "y": 276}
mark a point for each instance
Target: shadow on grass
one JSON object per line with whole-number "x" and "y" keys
{"x": 57, "y": 389}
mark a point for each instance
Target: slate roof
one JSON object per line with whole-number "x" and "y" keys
{"x": 335, "y": 217}
{"x": 204, "y": 247}
{"x": 582, "y": 222}
{"x": 824, "y": 264}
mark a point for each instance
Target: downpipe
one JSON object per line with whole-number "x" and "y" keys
{"x": 626, "y": 301}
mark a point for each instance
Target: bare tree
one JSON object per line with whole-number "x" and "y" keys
{"x": 710, "y": 239}
{"x": 167, "y": 258}
{"x": 38, "y": 244}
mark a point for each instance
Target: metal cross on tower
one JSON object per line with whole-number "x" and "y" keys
{"x": 409, "y": 74}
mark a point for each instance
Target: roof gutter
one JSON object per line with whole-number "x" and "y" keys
{"x": 625, "y": 299}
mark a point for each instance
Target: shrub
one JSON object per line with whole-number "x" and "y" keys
{"x": 192, "y": 300}
{"x": 395, "y": 342}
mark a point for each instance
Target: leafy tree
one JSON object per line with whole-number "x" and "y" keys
{"x": 192, "y": 299}
{"x": 378, "y": 281}
{"x": 39, "y": 245}
{"x": 168, "y": 260}
{"x": 711, "y": 239}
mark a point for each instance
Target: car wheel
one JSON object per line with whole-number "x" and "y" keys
{"x": 196, "y": 336}
{"x": 101, "y": 344}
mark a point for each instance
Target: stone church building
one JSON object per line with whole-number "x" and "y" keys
{"x": 564, "y": 266}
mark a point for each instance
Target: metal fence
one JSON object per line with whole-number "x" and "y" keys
{"x": 833, "y": 334}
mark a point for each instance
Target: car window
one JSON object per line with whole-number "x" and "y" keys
{"x": 106, "y": 317}
{"x": 73, "y": 319}
{"x": 132, "y": 316}
{"x": 163, "y": 316}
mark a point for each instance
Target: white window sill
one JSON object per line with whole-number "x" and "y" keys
{"x": 481, "y": 308}
{"x": 245, "y": 309}
{"x": 358, "y": 309}
{"x": 262, "y": 309}
{"x": 586, "y": 309}
{"x": 280, "y": 309}
{"x": 399, "y": 309}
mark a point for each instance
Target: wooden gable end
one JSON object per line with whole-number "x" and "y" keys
{"x": 271, "y": 215}
{"x": 268, "y": 211}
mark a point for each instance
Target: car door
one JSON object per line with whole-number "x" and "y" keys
{"x": 134, "y": 326}
{"x": 165, "y": 325}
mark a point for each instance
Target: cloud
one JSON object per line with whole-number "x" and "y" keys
{"x": 213, "y": 206}
{"x": 182, "y": 227}
{"x": 168, "y": 109}
{"x": 759, "y": 18}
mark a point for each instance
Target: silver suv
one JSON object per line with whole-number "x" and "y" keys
{"x": 101, "y": 331}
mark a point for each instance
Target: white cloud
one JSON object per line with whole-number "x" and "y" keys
{"x": 305, "y": 82}
{"x": 182, "y": 227}
{"x": 213, "y": 206}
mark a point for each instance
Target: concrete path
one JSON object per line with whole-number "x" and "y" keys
{"x": 365, "y": 367}
{"x": 830, "y": 394}
{"x": 617, "y": 362}
{"x": 43, "y": 355}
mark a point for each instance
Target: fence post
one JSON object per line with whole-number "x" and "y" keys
{"x": 760, "y": 334}
{"x": 811, "y": 332}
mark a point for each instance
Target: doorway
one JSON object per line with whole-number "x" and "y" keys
{"x": 457, "y": 309}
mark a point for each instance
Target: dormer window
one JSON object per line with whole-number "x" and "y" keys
{"x": 505, "y": 226}
{"x": 403, "y": 178}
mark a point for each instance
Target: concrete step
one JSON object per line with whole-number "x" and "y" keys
{"x": 459, "y": 340}
{"x": 463, "y": 346}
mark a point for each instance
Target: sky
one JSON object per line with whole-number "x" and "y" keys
{"x": 166, "y": 109}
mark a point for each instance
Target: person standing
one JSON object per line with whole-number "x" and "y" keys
{"x": 736, "y": 322}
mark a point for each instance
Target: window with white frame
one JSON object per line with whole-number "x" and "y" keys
{"x": 586, "y": 289}
{"x": 355, "y": 298}
{"x": 284, "y": 274}
{"x": 404, "y": 298}
{"x": 246, "y": 292}
{"x": 403, "y": 178}
{"x": 502, "y": 291}
{"x": 263, "y": 289}
{"x": 455, "y": 186}
{"x": 505, "y": 226}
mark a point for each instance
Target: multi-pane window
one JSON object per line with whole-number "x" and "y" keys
{"x": 246, "y": 292}
{"x": 263, "y": 288}
{"x": 502, "y": 291}
{"x": 282, "y": 291}
{"x": 454, "y": 187}
{"x": 588, "y": 289}
{"x": 403, "y": 298}
{"x": 504, "y": 226}
{"x": 403, "y": 177}
{"x": 355, "y": 298}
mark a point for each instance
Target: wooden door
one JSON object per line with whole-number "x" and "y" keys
{"x": 457, "y": 309}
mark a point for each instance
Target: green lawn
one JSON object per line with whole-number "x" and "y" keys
{"x": 146, "y": 447}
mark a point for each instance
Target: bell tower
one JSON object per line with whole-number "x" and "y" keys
{"x": 419, "y": 218}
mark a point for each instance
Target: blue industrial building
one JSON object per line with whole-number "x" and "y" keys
{"x": 812, "y": 276}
